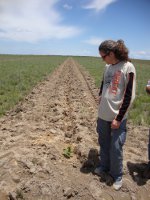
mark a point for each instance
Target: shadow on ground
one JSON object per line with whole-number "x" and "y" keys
{"x": 140, "y": 172}
{"x": 91, "y": 162}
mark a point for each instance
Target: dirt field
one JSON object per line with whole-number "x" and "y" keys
{"x": 59, "y": 113}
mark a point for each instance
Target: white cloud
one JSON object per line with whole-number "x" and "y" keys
{"x": 98, "y": 4}
{"x": 68, "y": 7}
{"x": 140, "y": 54}
{"x": 94, "y": 41}
{"x": 32, "y": 20}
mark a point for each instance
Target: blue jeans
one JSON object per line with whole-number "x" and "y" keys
{"x": 111, "y": 143}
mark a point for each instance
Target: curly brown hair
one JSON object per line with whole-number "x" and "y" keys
{"x": 118, "y": 47}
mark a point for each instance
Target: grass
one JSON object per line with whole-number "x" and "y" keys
{"x": 19, "y": 74}
{"x": 94, "y": 65}
{"x": 140, "y": 111}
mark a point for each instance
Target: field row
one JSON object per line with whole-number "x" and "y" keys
{"x": 19, "y": 74}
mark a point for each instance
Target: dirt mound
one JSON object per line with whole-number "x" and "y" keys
{"x": 49, "y": 149}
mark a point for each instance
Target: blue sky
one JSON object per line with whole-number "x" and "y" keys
{"x": 73, "y": 27}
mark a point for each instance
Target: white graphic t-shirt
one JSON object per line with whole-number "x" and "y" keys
{"x": 114, "y": 86}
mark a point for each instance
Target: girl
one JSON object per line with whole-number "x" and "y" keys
{"x": 117, "y": 92}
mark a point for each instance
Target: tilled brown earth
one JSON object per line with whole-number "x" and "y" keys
{"x": 60, "y": 113}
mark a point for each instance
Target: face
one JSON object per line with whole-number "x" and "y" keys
{"x": 105, "y": 57}
{"x": 108, "y": 58}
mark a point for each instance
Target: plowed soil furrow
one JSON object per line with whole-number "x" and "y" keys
{"x": 57, "y": 116}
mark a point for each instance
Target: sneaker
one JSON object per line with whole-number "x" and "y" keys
{"x": 98, "y": 171}
{"x": 117, "y": 185}
{"x": 103, "y": 175}
{"x": 109, "y": 180}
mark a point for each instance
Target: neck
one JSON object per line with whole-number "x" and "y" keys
{"x": 116, "y": 61}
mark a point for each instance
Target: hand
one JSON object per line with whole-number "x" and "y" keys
{"x": 115, "y": 124}
{"x": 99, "y": 100}
{"x": 148, "y": 89}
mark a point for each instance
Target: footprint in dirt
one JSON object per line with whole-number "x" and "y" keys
{"x": 3, "y": 195}
{"x": 143, "y": 194}
{"x": 115, "y": 196}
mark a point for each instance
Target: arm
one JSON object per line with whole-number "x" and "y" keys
{"x": 148, "y": 87}
{"x": 100, "y": 92}
{"x": 126, "y": 102}
{"x": 101, "y": 88}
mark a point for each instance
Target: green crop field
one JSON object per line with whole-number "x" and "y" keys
{"x": 140, "y": 111}
{"x": 19, "y": 74}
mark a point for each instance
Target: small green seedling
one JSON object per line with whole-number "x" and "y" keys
{"x": 67, "y": 152}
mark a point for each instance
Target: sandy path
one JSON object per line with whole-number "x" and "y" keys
{"x": 59, "y": 113}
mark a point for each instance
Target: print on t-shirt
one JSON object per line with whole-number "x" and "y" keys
{"x": 113, "y": 88}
